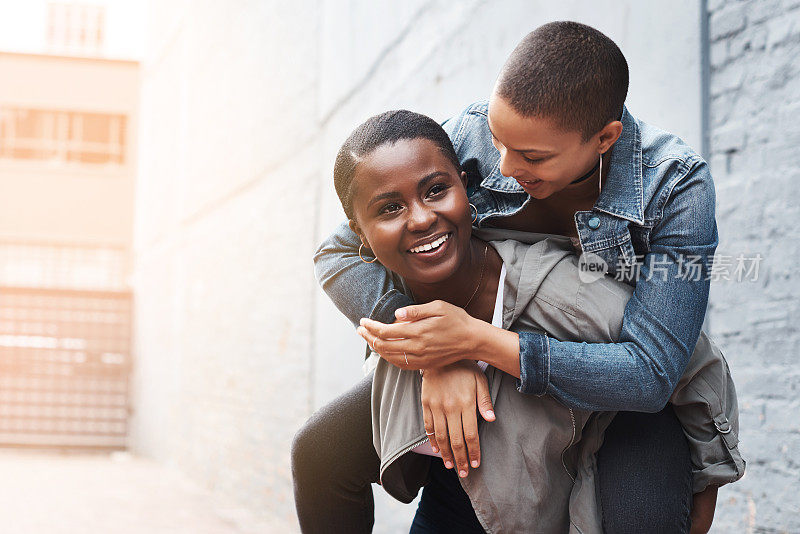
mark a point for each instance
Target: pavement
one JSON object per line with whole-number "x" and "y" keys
{"x": 45, "y": 492}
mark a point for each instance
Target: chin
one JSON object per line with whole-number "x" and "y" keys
{"x": 436, "y": 274}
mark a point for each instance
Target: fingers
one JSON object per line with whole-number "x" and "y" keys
{"x": 457, "y": 445}
{"x": 442, "y": 440}
{"x": 404, "y": 330}
{"x": 484, "y": 398}
{"x": 392, "y": 350}
{"x": 469, "y": 420}
{"x": 419, "y": 311}
{"x": 385, "y": 346}
{"x": 430, "y": 428}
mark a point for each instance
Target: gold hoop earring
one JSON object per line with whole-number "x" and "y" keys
{"x": 362, "y": 257}
{"x": 472, "y": 206}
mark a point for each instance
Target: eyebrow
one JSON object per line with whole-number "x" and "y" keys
{"x": 521, "y": 150}
{"x": 394, "y": 194}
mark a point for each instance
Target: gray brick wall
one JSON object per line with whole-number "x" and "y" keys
{"x": 754, "y": 132}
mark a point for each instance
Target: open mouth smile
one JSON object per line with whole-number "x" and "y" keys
{"x": 529, "y": 183}
{"x": 432, "y": 247}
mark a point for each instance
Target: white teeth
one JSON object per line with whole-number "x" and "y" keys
{"x": 430, "y": 246}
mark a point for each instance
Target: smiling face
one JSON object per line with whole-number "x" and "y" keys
{"x": 541, "y": 156}
{"x": 411, "y": 209}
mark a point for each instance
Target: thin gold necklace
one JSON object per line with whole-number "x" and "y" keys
{"x": 483, "y": 266}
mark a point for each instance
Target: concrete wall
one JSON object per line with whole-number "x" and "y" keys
{"x": 754, "y": 137}
{"x": 244, "y": 106}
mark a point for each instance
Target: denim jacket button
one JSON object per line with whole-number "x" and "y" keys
{"x": 594, "y": 223}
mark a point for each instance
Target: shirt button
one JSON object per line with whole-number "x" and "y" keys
{"x": 594, "y": 223}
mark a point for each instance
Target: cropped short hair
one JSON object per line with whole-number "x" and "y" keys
{"x": 568, "y": 72}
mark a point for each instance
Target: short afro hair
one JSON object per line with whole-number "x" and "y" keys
{"x": 568, "y": 72}
{"x": 386, "y": 128}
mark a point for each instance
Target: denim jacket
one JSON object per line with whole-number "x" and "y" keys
{"x": 658, "y": 201}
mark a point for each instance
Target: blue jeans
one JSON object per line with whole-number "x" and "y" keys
{"x": 444, "y": 506}
{"x": 645, "y": 475}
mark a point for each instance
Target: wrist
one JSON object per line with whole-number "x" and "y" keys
{"x": 497, "y": 347}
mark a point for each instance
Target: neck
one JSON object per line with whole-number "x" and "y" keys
{"x": 586, "y": 186}
{"x": 458, "y": 288}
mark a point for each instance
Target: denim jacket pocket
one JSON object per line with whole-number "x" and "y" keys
{"x": 616, "y": 248}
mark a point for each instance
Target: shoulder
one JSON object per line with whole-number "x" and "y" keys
{"x": 470, "y": 123}
{"x": 671, "y": 167}
{"x": 472, "y": 141}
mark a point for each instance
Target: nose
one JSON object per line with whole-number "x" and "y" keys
{"x": 506, "y": 167}
{"x": 420, "y": 217}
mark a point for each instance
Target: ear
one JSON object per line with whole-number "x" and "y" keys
{"x": 609, "y": 135}
{"x": 464, "y": 179}
{"x": 357, "y": 229}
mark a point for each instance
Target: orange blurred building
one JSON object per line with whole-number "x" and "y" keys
{"x": 67, "y": 170}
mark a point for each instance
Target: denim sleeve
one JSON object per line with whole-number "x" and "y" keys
{"x": 357, "y": 289}
{"x": 661, "y": 321}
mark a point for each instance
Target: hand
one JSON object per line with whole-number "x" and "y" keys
{"x": 703, "y": 505}
{"x": 450, "y": 396}
{"x": 425, "y": 336}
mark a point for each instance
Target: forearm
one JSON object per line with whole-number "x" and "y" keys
{"x": 357, "y": 289}
{"x": 497, "y": 347}
{"x": 632, "y": 362}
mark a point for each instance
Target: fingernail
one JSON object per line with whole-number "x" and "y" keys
{"x": 362, "y": 321}
{"x": 462, "y": 473}
{"x": 490, "y": 413}
{"x": 474, "y": 463}
{"x": 435, "y": 449}
{"x": 448, "y": 464}
{"x": 400, "y": 314}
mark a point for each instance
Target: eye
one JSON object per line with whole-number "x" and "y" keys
{"x": 390, "y": 208}
{"x": 437, "y": 189}
{"x": 530, "y": 160}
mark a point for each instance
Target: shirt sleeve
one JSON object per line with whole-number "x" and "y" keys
{"x": 661, "y": 321}
{"x": 357, "y": 288}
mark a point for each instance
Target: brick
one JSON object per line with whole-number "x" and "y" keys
{"x": 781, "y": 30}
{"x": 718, "y": 53}
{"x": 729, "y": 78}
{"x": 714, "y": 5}
{"x": 761, "y": 10}
{"x": 738, "y": 45}
{"x": 727, "y": 22}
{"x": 758, "y": 38}
{"x": 730, "y": 138}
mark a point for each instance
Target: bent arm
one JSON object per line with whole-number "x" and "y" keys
{"x": 357, "y": 289}
{"x": 660, "y": 325}
{"x": 661, "y": 322}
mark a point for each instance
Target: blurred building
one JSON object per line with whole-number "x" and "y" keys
{"x": 67, "y": 167}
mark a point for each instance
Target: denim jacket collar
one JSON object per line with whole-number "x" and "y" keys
{"x": 623, "y": 189}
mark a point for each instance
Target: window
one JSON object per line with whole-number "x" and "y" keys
{"x": 75, "y": 28}
{"x": 62, "y": 136}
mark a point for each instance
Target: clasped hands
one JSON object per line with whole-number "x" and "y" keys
{"x": 438, "y": 337}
